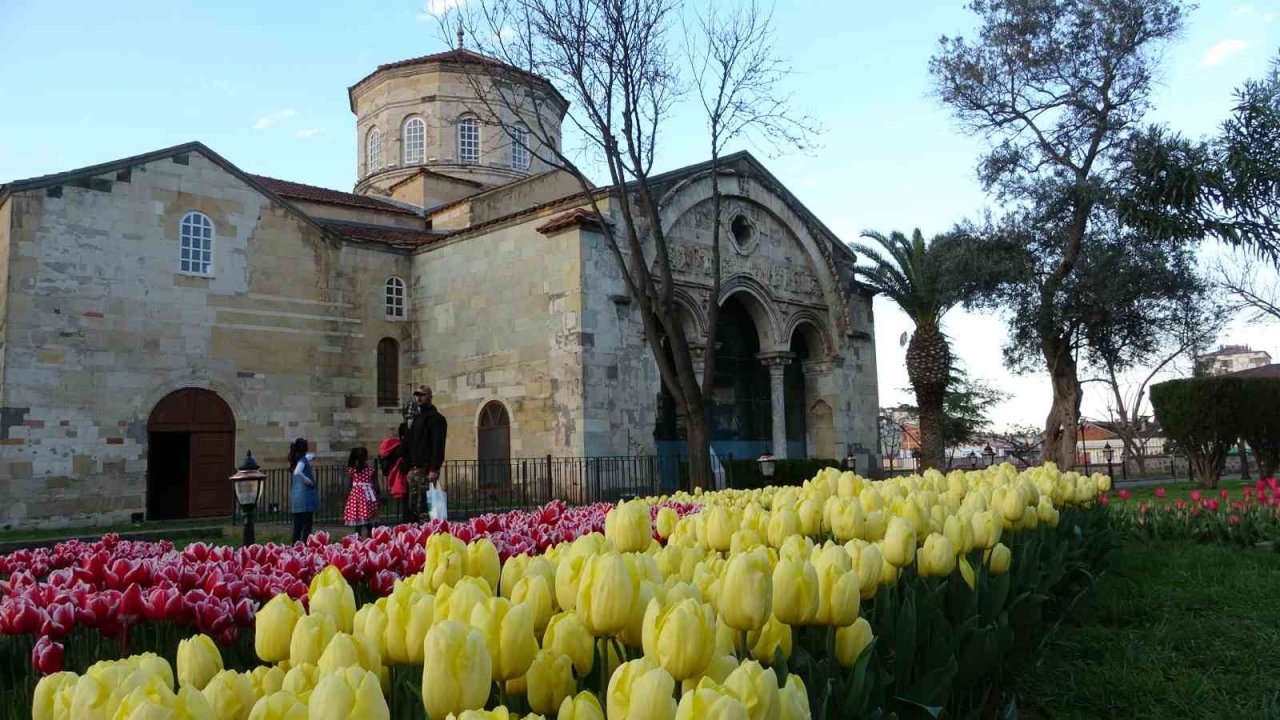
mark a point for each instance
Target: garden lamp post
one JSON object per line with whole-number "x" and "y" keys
{"x": 989, "y": 454}
{"x": 766, "y": 465}
{"x": 1108, "y": 452}
{"x": 247, "y": 483}
{"x": 851, "y": 462}
{"x": 973, "y": 459}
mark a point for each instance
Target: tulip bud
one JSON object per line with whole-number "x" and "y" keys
{"x": 966, "y": 571}
{"x": 847, "y": 519}
{"x": 52, "y": 696}
{"x": 198, "y": 661}
{"x": 838, "y": 587}
{"x": 352, "y": 692}
{"x": 583, "y": 706}
{"x": 627, "y": 526}
{"x": 230, "y": 695}
{"x": 507, "y": 630}
{"x": 640, "y": 690}
{"x": 679, "y": 636}
{"x": 267, "y": 679}
{"x": 757, "y": 687}
{"x": 446, "y": 561}
{"x": 851, "y": 641}
{"x": 534, "y": 591}
{"x": 783, "y": 523}
{"x": 1014, "y": 504}
{"x": 301, "y": 679}
{"x": 331, "y": 595}
{"x": 795, "y": 586}
{"x": 370, "y": 622}
{"x": 768, "y": 639}
{"x": 606, "y": 592}
{"x": 899, "y": 543}
{"x": 810, "y": 512}
{"x": 345, "y": 651}
{"x": 710, "y": 701}
{"x": 667, "y": 519}
{"x": 937, "y": 558}
{"x": 569, "y": 580}
{"x": 483, "y": 562}
{"x": 281, "y": 705}
{"x": 987, "y": 528}
{"x": 631, "y": 633}
{"x": 455, "y": 602}
{"x": 550, "y": 681}
{"x": 869, "y": 563}
{"x": 998, "y": 559}
{"x": 457, "y": 670}
{"x": 311, "y": 635}
{"x": 794, "y": 699}
{"x": 566, "y": 635}
{"x": 721, "y": 525}
{"x": 409, "y": 615}
{"x": 748, "y": 580}
{"x": 273, "y": 627}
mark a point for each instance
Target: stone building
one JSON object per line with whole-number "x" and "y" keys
{"x": 162, "y": 314}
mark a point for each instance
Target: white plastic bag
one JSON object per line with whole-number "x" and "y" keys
{"x": 437, "y": 503}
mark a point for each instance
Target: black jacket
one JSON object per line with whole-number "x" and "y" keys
{"x": 426, "y": 439}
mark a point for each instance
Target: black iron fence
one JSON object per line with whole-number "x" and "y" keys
{"x": 476, "y": 487}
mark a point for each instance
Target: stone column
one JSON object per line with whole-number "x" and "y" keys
{"x": 777, "y": 364}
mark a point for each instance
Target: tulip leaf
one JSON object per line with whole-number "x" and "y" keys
{"x": 780, "y": 666}
{"x": 904, "y": 650}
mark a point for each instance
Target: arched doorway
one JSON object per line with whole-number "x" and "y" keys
{"x": 795, "y": 402}
{"x": 191, "y": 439}
{"x": 493, "y": 444}
{"x": 739, "y": 407}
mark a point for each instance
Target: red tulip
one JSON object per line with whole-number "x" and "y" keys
{"x": 133, "y": 606}
{"x": 1159, "y": 492}
{"x": 1195, "y": 495}
{"x": 1124, "y": 495}
{"x": 46, "y": 656}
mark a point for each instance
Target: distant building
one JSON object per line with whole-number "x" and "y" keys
{"x": 1229, "y": 359}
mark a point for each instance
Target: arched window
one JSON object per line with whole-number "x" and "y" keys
{"x": 493, "y": 445}
{"x": 468, "y": 141}
{"x": 388, "y": 372}
{"x": 414, "y": 136}
{"x": 196, "y": 235}
{"x": 520, "y": 147}
{"x": 373, "y": 158}
{"x": 395, "y": 298}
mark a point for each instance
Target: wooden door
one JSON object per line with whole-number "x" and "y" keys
{"x": 212, "y": 463}
{"x": 209, "y": 426}
{"x": 493, "y": 445}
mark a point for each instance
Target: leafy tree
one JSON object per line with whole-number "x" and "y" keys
{"x": 967, "y": 408}
{"x": 1058, "y": 87}
{"x": 919, "y": 277}
{"x": 1202, "y": 415}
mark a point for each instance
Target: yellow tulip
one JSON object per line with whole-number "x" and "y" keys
{"x": 1014, "y": 504}
{"x": 710, "y": 701}
{"x": 457, "y": 670}
{"x": 281, "y": 705}
{"x": 839, "y": 588}
{"x": 796, "y": 547}
{"x": 52, "y": 696}
{"x": 311, "y": 635}
{"x": 796, "y": 589}
{"x": 745, "y": 540}
{"x": 535, "y": 591}
{"x": 1047, "y": 513}
{"x": 987, "y": 528}
{"x": 868, "y": 563}
{"x": 301, "y": 680}
{"x": 370, "y": 621}
{"x": 667, "y": 519}
{"x": 345, "y": 651}
{"x": 606, "y": 591}
{"x": 960, "y": 532}
{"x": 352, "y": 692}
{"x": 773, "y": 636}
{"x": 330, "y": 594}
{"x": 446, "y": 561}
{"x": 507, "y": 630}
{"x": 794, "y": 700}
{"x": 810, "y": 517}
{"x": 888, "y": 572}
{"x": 267, "y": 679}
{"x": 847, "y": 519}
{"x": 899, "y": 543}
{"x": 640, "y": 690}
{"x": 158, "y": 701}
{"x": 198, "y": 661}
{"x": 409, "y": 615}
{"x": 748, "y": 581}
{"x": 230, "y": 695}
{"x": 966, "y": 571}
{"x": 455, "y": 602}
{"x": 566, "y": 635}
{"x": 679, "y": 636}
{"x": 273, "y": 627}
{"x": 757, "y": 687}
{"x": 483, "y": 562}
{"x": 632, "y": 633}
{"x": 569, "y": 580}
{"x": 877, "y": 521}
{"x": 851, "y": 641}
{"x": 627, "y": 525}
{"x": 783, "y": 523}
{"x": 937, "y": 558}
{"x": 998, "y": 559}
{"x": 550, "y": 681}
{"x": 583, "y": 706}
{"x": 720, "y": 524}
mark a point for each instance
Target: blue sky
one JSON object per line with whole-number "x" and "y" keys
{"x": 264, "y": 84}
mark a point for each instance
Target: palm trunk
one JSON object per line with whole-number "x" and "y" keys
{"x": 932, "y": 446}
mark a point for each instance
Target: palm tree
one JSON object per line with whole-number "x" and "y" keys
{"x": 920, "y": 277}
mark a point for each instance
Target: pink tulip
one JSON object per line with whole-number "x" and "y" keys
{"x": 1159, "y": 492}
{"x": 1195, "y": 495}
{"x": 46, "y": 656}
{"x": 1124, "y": 495}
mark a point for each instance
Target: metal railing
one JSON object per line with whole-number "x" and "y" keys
{"x": 476, "y": 487}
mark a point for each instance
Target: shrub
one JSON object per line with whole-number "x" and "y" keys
{"x": 745, "y": 474}
{"x": 1206, "y": 416}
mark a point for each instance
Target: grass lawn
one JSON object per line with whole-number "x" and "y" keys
{"x": 1180, "y": 490}
{"x": 1172, "y": 630}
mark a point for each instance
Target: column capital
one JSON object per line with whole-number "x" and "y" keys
{"x": 776, "y": 360}
{"x": 822, "y": 366}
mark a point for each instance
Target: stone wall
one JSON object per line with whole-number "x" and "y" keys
{"x": 498, "y": 316}
{"x": 102, "y": 326}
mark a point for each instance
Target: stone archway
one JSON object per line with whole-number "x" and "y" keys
{"x": 191, "y": 438}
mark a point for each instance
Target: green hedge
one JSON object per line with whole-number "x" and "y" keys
{"x": 745, "y": 474}
{"x": 1206, "y": 416}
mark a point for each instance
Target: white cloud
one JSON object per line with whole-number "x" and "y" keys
{"x": 1242, "y": 11}
{"x": 1269, "y": 18}
{"x": 273, "y": 118}
{"x": 308, "y": 133}
{"x": 1223, "y": 52}
{"x": 432, "y": 9}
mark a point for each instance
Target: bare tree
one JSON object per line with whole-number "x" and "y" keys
{"x": 610, "y": 64}
{"x": 1023, "y": 442}
{"x": 1251, "y": 292}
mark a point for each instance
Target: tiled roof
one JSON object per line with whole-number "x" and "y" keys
{"x": 573, "y": 217}
{"x": 462, "y": 56}
{"x": 396, "y": 237}
{"x": 1262, "y": 371}
{"x": 312, "y": 193}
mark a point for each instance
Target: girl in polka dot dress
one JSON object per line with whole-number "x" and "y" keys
{"x": 362, "y": 502}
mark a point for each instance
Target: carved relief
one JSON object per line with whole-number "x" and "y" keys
{"x": 695, "y": 261}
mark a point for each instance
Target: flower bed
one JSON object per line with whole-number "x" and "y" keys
{"x": 1250, "y": 518}
{"x": 839, "y": 598}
